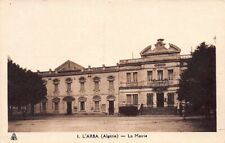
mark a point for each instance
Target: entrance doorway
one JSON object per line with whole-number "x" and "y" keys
{"x": 69, "y": 107}
{"x": 111, "y": 107}
{"x": 160, "y": 99}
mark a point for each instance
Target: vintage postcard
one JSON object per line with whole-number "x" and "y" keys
{"x": 112, "y": 71}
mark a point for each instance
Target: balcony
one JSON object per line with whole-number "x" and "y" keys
{"x": 130, "y": 85}
{"x": 158, "y": 83}
{"x": 148, "y": 84}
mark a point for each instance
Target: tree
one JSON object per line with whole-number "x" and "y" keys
{"x": 24, "y": 87}
{"x": 198, "y": 81}
{"x": 16, "y": 85}
{"x": 36, "y": 90}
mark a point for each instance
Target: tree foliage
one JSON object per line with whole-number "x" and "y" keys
{"x": 198, "y": 81}
{"x": 24, "y": 86}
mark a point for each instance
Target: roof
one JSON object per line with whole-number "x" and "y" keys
{"x": 68, "y": 66}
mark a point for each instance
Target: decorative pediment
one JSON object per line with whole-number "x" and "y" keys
{"x": 69, "y": 80}
{"x": 159, "y": 49}
{"x": 82, "y": 99}
{"x": 111, "y": 97}
{"x": 68, "y": 66}
{"x": 174, "y": 48}
{"x": 56, "y": 81}
{"x": 68, "y": 98}
{"x": 56, "y": 99}
{"x": 96, "y": 98}
{"x": 82, "y": 79}
{"x": 111, "y": 78}
{"x": 148, "y": 49}
{"x": 96, "y": 79}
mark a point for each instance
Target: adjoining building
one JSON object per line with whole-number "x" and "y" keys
{"x": 151, "y": 80}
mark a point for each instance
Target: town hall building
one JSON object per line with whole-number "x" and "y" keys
{"x": 152, "y": 80}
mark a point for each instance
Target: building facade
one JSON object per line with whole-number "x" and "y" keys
{"x": 151, "y": 80}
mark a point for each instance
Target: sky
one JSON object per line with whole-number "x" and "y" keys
{"x": 43, "y": 34}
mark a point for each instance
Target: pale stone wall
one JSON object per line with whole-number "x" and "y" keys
{"x": 89, "y": 93}
{"x": 142, "y": 81}
{"x": 162, "y": 62}
{"x": 119, "y": 79}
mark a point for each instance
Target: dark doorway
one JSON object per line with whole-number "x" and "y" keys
{"x": 69, "y": 107}
{"x": 111, "y": 107}
{"x": 160, "y": 100}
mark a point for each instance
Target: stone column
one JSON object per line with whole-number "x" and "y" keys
{"x": 154, "y": 74}
{"x": 132, "y": 101}
{"x": 176, "y": 102}
{"x": 165, "y": 73}
{"x": 165, "y": 99}
{"x": 154, "y": 100}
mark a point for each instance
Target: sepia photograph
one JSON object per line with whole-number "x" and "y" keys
{"x": 162, "y": 90}
{"x": 111, "y": 69}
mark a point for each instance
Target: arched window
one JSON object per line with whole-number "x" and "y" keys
{"x": 82, "y": 81}
{"x": 56, "y": 85}
{"x": 96, "y": 83}
{"x": 82, "y": 101}
{"x": 44, "y": 104}
{"x": 56, "y": 101}
{"x": 96, "y": 100}
{"x": 111, "y": 82}
{"x": 68, "y": 82}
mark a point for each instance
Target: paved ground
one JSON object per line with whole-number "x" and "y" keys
{"x": 113, "y": 124}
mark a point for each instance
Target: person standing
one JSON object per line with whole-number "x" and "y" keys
{"x": 141, "y": 109}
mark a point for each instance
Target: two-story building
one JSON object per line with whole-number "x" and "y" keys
{"x": 151, "y": 80}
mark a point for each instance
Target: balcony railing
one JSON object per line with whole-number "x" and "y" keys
{"x": 130, "y": 84}
{"x": 159, "y": 83}
{"x": 153, "y": 83}
{"x": 155, "y": 58}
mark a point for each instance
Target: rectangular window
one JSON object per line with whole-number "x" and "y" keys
{"x": 170, "y": 74}
{"x": 135, "y": 99}
{"x": 170, "y": 99}
{"x": 160, "y": 74}
{"x": 81, "y": 86}
{"x": 82, "y": 106}
{"x": 111, "y": 84}
{"x": 96, "y": 86}
{"x": 68, "y": 87}
{"x": 96, "y": 105}
{"x": 149, "y": 74}
{"x": 128, "y": 98}
{"x": 56, "y": 106}
{"x": 56, "y": 88}
{"x": 135, "y": 78}
{"x": 150, "y": 99}
{"x": 128, "y": 77}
